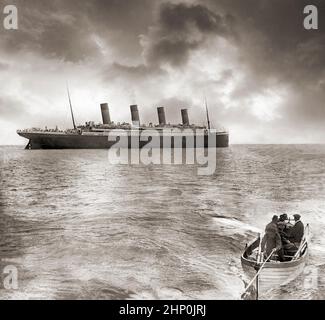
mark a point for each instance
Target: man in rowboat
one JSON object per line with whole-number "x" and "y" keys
{"x": 291, "y": 235}
{"x": 297, "y": 231}
{"x": 272, "y": 238}
{"x": 284, "y": 223}
{"x": 288, "y": 248}
{"x": 284, "y": 226}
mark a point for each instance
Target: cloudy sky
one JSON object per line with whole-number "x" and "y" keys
{"x": 263, "y": 74}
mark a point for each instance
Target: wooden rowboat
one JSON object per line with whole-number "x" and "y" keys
{"x": 271, "y": 273}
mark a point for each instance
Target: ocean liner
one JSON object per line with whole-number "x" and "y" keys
{"x": 134, "y": 135}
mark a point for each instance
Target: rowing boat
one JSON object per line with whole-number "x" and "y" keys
{"x": 271, "y": 273}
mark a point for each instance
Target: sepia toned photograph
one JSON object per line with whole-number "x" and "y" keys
{"x": 162, "y": 150}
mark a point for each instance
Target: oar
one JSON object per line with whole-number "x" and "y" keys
{"x": 297, "y": 254}
{"x": 257, "y": 274}
{"x": 259, "y": 253}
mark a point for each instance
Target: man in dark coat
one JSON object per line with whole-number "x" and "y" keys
{"x": 284, "y": 226}
{"x": 297, "y": 231}
{"x": 271, "y": 239}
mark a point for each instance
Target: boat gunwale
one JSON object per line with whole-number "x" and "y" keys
{"x": 271, "y": 264}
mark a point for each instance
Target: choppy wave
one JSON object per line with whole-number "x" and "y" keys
{"x": 79, "y": 228}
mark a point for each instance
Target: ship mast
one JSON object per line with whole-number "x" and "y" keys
{"x": 207, "y": 112}
{"x": 74, "y": 124}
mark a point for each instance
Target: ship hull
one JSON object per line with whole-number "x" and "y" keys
{"x": 43, "y": 140}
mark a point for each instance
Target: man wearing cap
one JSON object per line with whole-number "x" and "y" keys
{"x": 297, "y": 231}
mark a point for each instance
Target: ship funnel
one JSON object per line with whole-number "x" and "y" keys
{"x": 161, "y": 116}
{"x": 186, "y": 121}
{"x": 105, "y": 113}
{"x": 135, "y": 115}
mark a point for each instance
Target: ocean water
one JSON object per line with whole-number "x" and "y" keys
{"x": 77, "y": 227}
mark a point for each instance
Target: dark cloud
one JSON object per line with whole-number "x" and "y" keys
{"x": 278, "y": 52}
{"x": 74, "y": 30}
{"x": 273, "y": 39}
{"x": 132, "y": 73}
{"x": 141, "y": 49}
{"x": 182, "y": 28}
